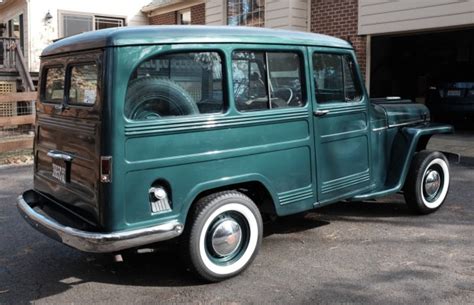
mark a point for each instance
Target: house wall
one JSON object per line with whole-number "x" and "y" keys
{"x": 42, "y": 33}
{"x": 286, "y": 14}
{"x": 381, "y": 16}
{"x": 279, "y": 14}
{"x": 215, "y": 12}
{"x": 339, "y": 18}
{"x": 13, "y": 9}
{"x": 198, "y": 15}
{"x": 166, "y": 18}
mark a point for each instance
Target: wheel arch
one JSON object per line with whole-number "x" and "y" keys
{"x": 408, "y": 142}
{"x": 255, "y": 186}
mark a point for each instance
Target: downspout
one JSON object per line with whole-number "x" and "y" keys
{"x": 28, "y": 19}
{"x": 308, "y": 16}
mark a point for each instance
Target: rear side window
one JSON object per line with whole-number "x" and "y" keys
{"x": 83, "y": 85}
{"x": 53, "y": 90}
{"x": 335, "y": 78}
{"x": 174, "y": 85}
{"x": 266, "y": 80}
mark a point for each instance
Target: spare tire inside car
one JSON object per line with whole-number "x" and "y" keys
{"x": 152, "y": 98}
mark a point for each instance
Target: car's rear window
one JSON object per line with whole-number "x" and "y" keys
{"x": 54, "y": 84}
{"x": 83, "y": 85}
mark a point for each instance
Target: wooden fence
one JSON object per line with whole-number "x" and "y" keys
{"x": 16, "y": 124}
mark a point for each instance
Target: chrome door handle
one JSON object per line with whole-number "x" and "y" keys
{"x": 60, "y": 155}
{"x": 320, "y": 112}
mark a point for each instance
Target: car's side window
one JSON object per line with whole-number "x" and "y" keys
{"x": 335, "y": 78}
{"x": 179, "y": 84}
{"x": 266, "y": 80}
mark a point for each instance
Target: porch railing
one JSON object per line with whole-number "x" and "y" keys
{"x": 12, "y": 60}
{"x": 8, "y": 56}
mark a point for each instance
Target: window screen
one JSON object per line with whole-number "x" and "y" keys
{"x": 54, "y": 84}
{"x": 258, "y": 75}
{"x": 76, "y": 24}
{"x": 246, "y": 12}
{"x": 83, "y": 88}
{"x": 335, "y": 78}
{"x": 176, "y": 85}
{"x": 107, "y": 22}
{"x": 79, "y": 23}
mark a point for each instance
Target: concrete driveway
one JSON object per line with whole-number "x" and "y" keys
{"x": 367, "y": 252}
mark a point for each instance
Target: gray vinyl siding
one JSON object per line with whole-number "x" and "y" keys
{"x": 384, "y": 16}
{"x": 215, "y": 12}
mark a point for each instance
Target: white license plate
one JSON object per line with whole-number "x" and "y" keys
{"x": 59, "y": 172}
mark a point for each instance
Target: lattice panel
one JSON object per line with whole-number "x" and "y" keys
{"x": 7, "y": 87}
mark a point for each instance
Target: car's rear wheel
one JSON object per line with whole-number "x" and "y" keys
{"x": 223, "y": 235}
{"x": 427, "y": 183}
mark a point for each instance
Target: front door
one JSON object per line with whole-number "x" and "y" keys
{"x": 341, "y": 125}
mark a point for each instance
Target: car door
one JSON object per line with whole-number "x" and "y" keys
{"x": 340, "y": 123}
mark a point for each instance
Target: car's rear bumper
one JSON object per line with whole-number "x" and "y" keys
{"x": 89, "y": 241}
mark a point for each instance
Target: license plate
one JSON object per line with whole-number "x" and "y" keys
{"x": 59, "y": 172}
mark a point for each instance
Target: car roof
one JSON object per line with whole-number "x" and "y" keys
{"x": 143, "y": 35}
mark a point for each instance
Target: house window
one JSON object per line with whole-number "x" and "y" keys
{"x": 73, "y": 24}
{"x": 107, "y": 22}
{"x": 246, "y": 12}
{"x": 184, "y": 17}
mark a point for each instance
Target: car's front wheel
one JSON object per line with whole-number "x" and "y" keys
{"x": 427, "y": 183}
{"x": 223, "y": 235}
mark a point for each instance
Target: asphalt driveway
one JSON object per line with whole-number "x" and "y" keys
{"x": 367, "y": 252}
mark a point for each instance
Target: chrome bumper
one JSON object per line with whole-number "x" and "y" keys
{"x": 95, "y": 241}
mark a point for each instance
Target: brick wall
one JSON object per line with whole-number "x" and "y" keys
{"x": 339, "y": 18}
{"x": 168, "y": 18}
{"x": 198, "y": 14}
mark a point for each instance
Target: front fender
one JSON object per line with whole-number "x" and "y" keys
{"x": 417, "y": 138}
{"x": 406, "y": 143}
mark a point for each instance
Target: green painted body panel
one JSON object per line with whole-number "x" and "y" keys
{"x": 357, "y": 151}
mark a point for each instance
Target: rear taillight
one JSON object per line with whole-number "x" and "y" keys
{"x": 105, "y": 169}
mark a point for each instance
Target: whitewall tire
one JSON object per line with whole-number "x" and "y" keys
{"x": 427, "y": 183}
{"x": 223, "y": 235}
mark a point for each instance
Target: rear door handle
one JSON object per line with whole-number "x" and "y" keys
{"x": 320, "y": 112}
{"x": 60, "y": 155}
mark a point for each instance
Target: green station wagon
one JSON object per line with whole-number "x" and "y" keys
{"x": 152, "y": 133}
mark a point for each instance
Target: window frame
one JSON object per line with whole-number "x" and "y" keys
{"x": 226, "y": 108}
{"x": 299, "y": 50}
{"x": 67, "y": 84}
{"x": 181, "y": 12}
{"x": 357, "y": 77}
{"x": 44, "y": 72}
{"x": 96, "y": 57}
{"x": 227, "y": 15}
{"x": 62, "y": 13}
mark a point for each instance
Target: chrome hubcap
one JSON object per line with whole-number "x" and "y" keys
{"x": 226, "y": 237}
{"x": 432, "y": 183}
